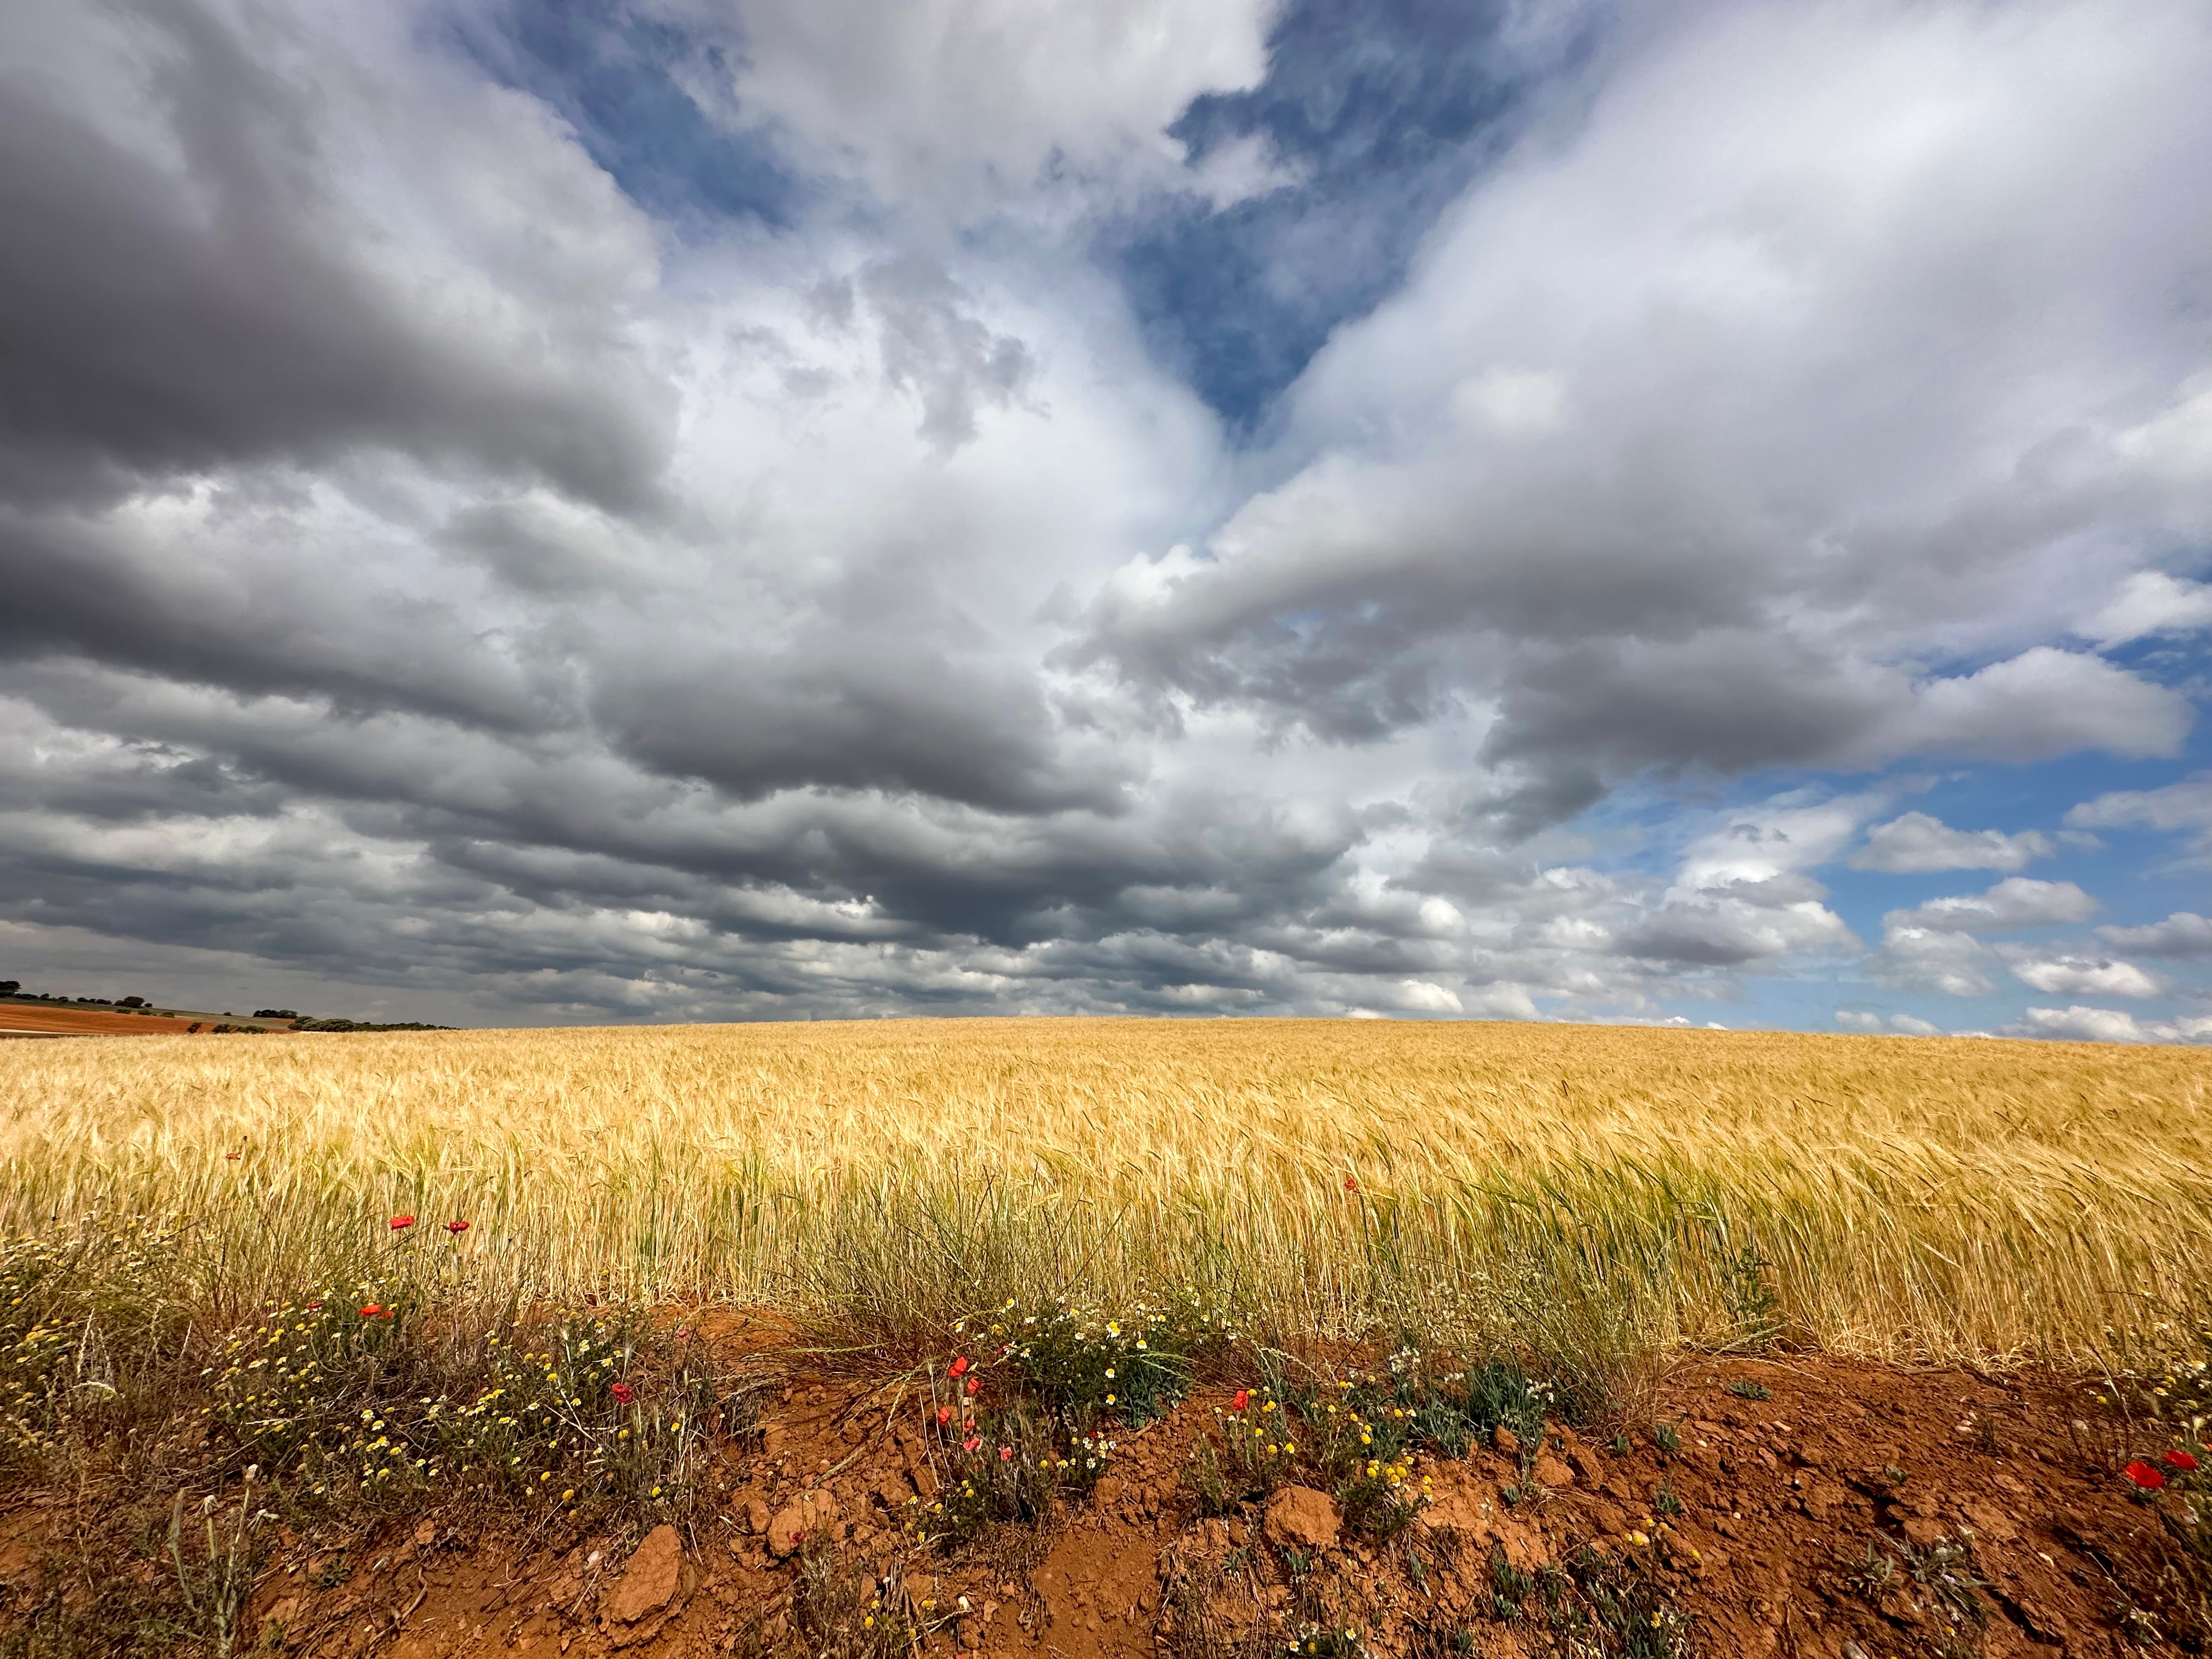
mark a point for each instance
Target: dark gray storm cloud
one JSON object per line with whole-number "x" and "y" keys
{"x": 167, "y": 314}
{"x": 540, "y": 511}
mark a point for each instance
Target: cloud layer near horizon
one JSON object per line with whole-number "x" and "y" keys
{"x": 691, "y": 510}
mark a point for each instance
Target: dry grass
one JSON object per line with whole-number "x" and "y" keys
{"x": 1913, "y": 1199}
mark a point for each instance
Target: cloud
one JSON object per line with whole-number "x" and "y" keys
{"x": 1917, "y": 844}
{"x": 1934, "y": 961}
{"x": 1781, "y": 837}
{"x": 695, "y": 512}
{"x": 958, "y": 108}
{"x": 1306, "y": 195}
{"x": 1433, "y": 998}
{"x": 1931, "y": 948}
{"x": 2079, "y": 1023}
{"x": 2184, "y": 805}
{"x": 2043, "y": 703}
{"x": 1861, "y": 1019}
{"x": 183, "y": 287}
{"x": 2183, "y": 936}
{"x": 2016, "y": 902}
{"x": 1729, "y": 934}
{"x": 2147, "y": 603}
{"x": 1706, "y": 547}
{"x": 2177, "y": 440}
{"x": 2086, "y": 976}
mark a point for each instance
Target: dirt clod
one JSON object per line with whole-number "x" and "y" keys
{"x": 798, "y": 1520}
{"x": 651, "y": 1578}
{"x": 1549, "y": 1470}
{"x": 1300, "y": 1517}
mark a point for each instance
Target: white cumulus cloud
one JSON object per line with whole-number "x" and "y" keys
{"x": 2080, "y": 1024}
{"x": 2017, "y": 901}
{"x": 2089, "y": 976}
{"x": 1919, "y": 844}
{"x": 2184, "y": 935}
{"x": 2150, "y": 602}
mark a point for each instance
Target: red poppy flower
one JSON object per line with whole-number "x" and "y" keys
{"x": 960, "y": 1366}
{"x": 975, "y": 1440}
{"x": 621, "y": 1393}
{"x": 457, "y": 1227}
{"x": 974, "y": 1385}
{"x": 943, "y": 1415}
{"x": 315, "y": 1307}
{"x": 2144, "y": 1475}
{"x": 373, "y": 1311}
{"x": 797, "y": 1539}
{"x": 1005, "y": 1454}
{"x": 1244, "y": 1398}
{"x": 1351, "y": 1185}
{"x": 2178, "y": 1459}
{"x": 400, "y": 1224}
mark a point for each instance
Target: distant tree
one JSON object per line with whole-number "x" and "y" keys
{"x": 132, "y": 1002}
{"x": 9, "y": 986}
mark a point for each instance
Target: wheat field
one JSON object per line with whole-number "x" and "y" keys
{"x": 1615, "y": 1187}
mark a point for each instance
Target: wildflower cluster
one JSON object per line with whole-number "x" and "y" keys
{"x": 350, "y": 1396}
{"x": 1369, "y": 1417}
{"x": 1002, "y": 1457}
{"x": 1312, "y": 1641}
{"x": 1594, "y": 1603}
{"x": 2177, "y": 1485}
{"x": 1259, "y": 1443}
{"x": 1133, "y": 1365}
{"x": 75, "y": 1308}
{"x": 1360, "y": 1434}
{"x": 1023, "y": 1412}
{"x": 845, "y": 1615}
{"x": 2176, "y": 1390}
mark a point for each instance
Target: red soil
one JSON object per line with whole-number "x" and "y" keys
{"x": 1779, "y": 1503}
{"x": 68, "y": 1019}
{"x": 77, "y": 1021}
{"x": 1779, "y": 1500}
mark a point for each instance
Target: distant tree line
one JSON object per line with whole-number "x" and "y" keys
{"x": 11, "y": 988}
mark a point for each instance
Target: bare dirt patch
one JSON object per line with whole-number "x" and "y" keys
{"x": 1803, "y": 1506}
{"x": 62, "y": 1020}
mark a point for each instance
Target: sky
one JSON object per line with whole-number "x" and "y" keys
{"x": 529, "y": 512}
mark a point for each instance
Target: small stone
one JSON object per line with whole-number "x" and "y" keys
{"x": 757, "y": 1516}
{"x": 790, "y": 1526}
{"x": 1108, "y": 1492}
{"x": 1551, "y": 1471}
{"x": 649, "y": 1582}
{"x": 1504, "y": 1442}
{"x": 1586, "y": 1466}
{"x": 1300, "y": 1516}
